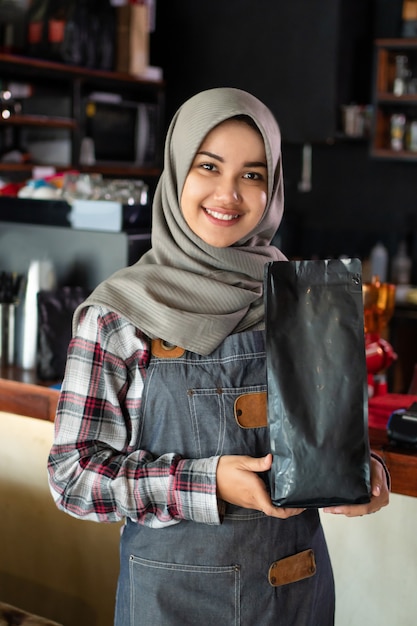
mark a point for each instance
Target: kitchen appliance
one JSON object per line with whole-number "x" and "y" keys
{"x": 121, "y": 132}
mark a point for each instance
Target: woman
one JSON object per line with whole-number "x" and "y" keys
{"x": 147, "y": 427}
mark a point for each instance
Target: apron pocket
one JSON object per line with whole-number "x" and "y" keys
{"x": 176, "y": 594}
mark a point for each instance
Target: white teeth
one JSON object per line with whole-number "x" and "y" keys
{"x": 222, "y": 216}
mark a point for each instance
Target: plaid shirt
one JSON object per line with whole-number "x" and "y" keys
{"x": 95, "y": 470}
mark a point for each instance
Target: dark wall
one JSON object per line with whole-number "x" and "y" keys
{"x": 355, "y": 200}
{"x": 291, "y": 54}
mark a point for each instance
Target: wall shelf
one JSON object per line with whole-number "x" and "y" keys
{"x": 387, "y": 103}
{"x": 39, "y": 120}
{"x": 75, "y": 84}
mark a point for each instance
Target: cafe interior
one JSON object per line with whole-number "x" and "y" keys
{"x": 82, "y": 130}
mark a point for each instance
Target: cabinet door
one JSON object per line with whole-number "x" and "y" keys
{"x": 287, "y": 52}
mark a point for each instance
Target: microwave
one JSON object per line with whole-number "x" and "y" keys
{"x": 122, "y": 132}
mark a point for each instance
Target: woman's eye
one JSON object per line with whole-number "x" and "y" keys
{"x": 254, "y": 176}
{"x": 207, "y": 166}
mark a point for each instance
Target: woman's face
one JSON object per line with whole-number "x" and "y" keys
{"x": 225, "y": 192}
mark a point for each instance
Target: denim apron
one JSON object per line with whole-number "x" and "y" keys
{"x": 193, "y": 574}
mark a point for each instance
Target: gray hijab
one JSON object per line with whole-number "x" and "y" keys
{"x": 183, "y": 290}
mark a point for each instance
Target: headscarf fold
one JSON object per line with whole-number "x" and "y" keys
{"x": 183, "y": 290}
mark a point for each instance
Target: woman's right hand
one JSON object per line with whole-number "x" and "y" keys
{"x": 238, "y": 483}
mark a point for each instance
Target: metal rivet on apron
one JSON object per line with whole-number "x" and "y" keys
{"x": 167, "y": 346}
{"x": 190, "y": 392}
{"x": 219, "y": 390}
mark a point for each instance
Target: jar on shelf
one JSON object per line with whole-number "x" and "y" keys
{"x": 411, "y": 135}
{"x": 397, "y": 131}
{"x": 402, "y": 75}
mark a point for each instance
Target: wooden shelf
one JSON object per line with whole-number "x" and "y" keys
{"x": 106, "y": 170}
{"x": 385, "y": 97}
{"x": 39, "y": 120}
{"x": 397, "y": 43}
{"x": 29, "y": 66}
{"x": 387, "y": 153}
{"x": 74, "y": 84}
{"x": 386, "y": 102}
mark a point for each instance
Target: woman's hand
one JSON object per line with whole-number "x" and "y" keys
{"x": 238, "y": 483}
{"x": 379, "y": 497}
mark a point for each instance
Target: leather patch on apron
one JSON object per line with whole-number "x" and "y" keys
{"x": 163, "y": 350}
{"x": 250, "y": 410}
{"x": 292, "y": 568}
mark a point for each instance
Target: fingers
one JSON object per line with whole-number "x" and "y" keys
{"x": 379, "y": 495}
{"x": 282, "y": 512}
{"x": 378, "y": 478}
{"x": 239, "y": 483}
{"x": 255, "y": 464}
{"x": 376, "y": 490}
{"x": 376, "y": 503}
{"x": 356, "y": 510}
{"x": 264, "y": 463}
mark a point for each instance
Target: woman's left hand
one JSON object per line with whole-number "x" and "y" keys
{"x": 379, "y": 495}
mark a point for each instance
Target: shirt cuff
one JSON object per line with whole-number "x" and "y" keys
{"x": 195, "y": 490}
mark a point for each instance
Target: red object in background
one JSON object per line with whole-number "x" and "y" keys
{"x": 379, "y": 303}
{"x": 379, "y": 356}
{"x": 379, "y": 353}
{"x": 381, "y": 407}
{"x": 10, "y": 189}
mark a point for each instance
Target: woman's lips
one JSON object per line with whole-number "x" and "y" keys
{"x": 224, "y": 217}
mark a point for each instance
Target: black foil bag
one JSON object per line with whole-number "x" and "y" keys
{"x": 317, "y": 383}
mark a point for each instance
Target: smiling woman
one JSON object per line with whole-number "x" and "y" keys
{"x": 163, "y": 353}
{"x": 225, "y": 192}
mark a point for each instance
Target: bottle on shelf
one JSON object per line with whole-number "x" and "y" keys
{"x": 379, "y": 262}
{"x": 58, "y": 21}
{"x": 401, "y": 266}
{"x": 82, "y": 33}
{"x": 36, "y": 37}
{"x": 402, "y": 75}
{"x": 411, "y": 135}
{"x": 106, "y": 34}
{"x": 398, "y": 130}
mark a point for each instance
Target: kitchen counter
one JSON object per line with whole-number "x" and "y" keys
{"x": 401, "y": 462}
{"x": 373, "y": 556}
{"x": 20, "y": 393}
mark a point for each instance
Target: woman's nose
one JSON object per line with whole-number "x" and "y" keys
{"x": 228, "y": 191}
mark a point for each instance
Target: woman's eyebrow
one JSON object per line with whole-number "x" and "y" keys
{"x": 219, "y": 158}
{"x": 256, "y": 164}
{"x": 211, "y": 154}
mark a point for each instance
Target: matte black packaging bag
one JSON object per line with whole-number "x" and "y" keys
{"x": 317, "y": 383}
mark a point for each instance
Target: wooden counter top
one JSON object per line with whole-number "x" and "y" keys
{"x": 29, "y": 399}
{"x": 401, "y": 462}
